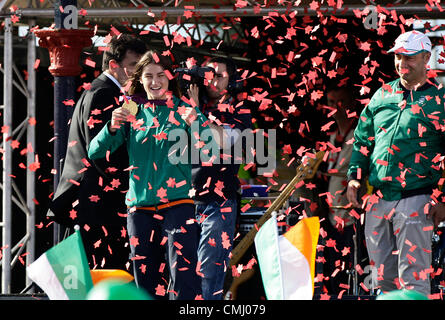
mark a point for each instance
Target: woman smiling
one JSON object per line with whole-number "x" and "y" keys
{"x": 160, "y": 211}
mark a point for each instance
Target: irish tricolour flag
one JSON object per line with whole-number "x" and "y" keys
{"x": 62, "y": 271}
{"x": 287, "y": 262}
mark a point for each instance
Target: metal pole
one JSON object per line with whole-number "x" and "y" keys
{"x": 346, "y": 10}
{"x": 64, "y": 89}
{"x": 7, "y": 157}
{"x": 31, "y": 138}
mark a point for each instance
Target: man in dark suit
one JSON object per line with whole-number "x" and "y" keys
{"x": 90, "y": 193}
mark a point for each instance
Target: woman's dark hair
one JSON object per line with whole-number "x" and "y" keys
{"x": 152, "y": 57}
{"x": 118, "y": 47}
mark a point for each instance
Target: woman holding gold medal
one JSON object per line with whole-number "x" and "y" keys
{"x": 161, "y": 216}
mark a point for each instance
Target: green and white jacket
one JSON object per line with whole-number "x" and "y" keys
{"x": 154, "y": 177}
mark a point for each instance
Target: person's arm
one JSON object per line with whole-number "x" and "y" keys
{"x": 436, "y": 210}
{"x": 110, "y": 137}
{"x": 193, "y": 113}
{"x": 361, "y": 153}
{"x": 98, "y": 111}
{"x": 226, "y": 134}
{"x": 236, "y": 122}
{"x": 220, "y": 132}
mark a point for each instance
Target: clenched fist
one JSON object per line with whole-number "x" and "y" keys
{"x": 119, "y": 116}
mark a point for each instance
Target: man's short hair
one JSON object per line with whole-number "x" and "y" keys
{"x": 118, "y": 47}
{"x": 230, "y": 64}
{"x": 235, "y": 84}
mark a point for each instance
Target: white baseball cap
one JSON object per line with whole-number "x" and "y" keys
{"x": 411, "y": 43}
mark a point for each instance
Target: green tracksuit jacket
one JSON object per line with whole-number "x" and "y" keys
{"x": 154, "y": 179}
{"x": 399, "y": 139}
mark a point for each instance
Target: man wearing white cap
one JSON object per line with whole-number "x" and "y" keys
{"x": 398, "y": 144}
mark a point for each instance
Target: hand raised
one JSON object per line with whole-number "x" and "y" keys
{"x": 118, "y": 116}
{"x": 189, "y": 115}
{"x": 193, "y": 93}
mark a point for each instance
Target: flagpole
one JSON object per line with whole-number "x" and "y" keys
{"x": 274, "y": 217}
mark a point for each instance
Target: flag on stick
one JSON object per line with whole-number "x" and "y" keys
{"x": 62, "y": 271}
{"x": 287, "y": 262}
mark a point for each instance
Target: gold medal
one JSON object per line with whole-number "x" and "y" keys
{"x": 131, "y": 106}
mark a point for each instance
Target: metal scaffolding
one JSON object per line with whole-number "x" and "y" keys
{"x": 11, "y": 193}
{"x": 110, "y": 10}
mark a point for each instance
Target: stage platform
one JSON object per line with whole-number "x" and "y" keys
{"x": 36, "y": 296}
{"x": 41, "y": 296}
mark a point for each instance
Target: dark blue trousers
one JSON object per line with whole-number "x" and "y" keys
{"x": 164, "y": 247}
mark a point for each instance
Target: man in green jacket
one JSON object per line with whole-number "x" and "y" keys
{"x": 398, "y": 145}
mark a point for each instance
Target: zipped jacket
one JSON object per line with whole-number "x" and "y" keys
{"x": 158, "y": 144}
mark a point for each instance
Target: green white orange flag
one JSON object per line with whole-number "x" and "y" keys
{"x": 62, "y": 271}
{"x": 287, "y": 262}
